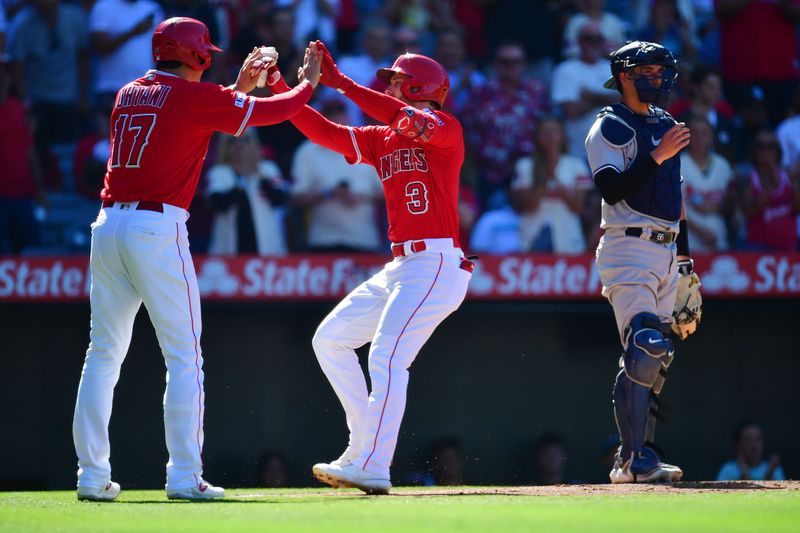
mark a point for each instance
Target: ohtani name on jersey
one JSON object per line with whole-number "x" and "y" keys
{"x": 138, "y": 95}
{"x": 403, "y": 160}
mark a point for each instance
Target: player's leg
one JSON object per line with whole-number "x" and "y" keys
{"x": 426, "y": 288}
{"x": 163, "y": 272}
{"x": 350, "y": 325}
{"x": 667, "y": 289}
{"x": 631, "y": 271}
{"x": 114, "y": 303}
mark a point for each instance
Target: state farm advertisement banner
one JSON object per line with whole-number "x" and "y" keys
{"x": 299, "y": 278}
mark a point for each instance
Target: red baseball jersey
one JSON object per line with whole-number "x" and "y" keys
{"x": 161, "y": 126}
{"x": 420, "y": 179}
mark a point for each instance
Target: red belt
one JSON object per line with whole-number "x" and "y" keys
{"x": 399, "y": 250}
{"x": 158, "y": 207}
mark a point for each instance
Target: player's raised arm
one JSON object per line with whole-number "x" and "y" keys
{"x": 280, "y": 107}
{"x": 317, "y": 128}
{"x": 380, "y": 106}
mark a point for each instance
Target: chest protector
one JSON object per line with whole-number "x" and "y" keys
{"x": 660, "y": 196}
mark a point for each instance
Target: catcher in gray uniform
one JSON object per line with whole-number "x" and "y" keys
{"x": 643, "y": 257}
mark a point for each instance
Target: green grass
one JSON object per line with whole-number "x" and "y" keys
{"x": 320, "y": 510}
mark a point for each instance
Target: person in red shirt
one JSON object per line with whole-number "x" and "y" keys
{"x": 758, "y": 42}
{"x": 20, "y": 176}
{"x": 161, "y": 126}
{"x": 418, "y": 154}
{"x": 771, "y": 198}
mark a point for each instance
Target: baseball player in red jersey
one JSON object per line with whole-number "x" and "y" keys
{"x": 161, "y": 126}
{"x": 418, "y": 155}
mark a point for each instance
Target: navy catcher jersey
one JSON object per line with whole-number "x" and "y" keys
{"x": 614, "y": 141}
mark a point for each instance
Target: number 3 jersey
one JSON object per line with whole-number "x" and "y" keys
{"x": 420, "y": 179}
{"x": 161, "y": 126}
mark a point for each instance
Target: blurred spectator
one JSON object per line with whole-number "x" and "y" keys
{"x": 376, "y": 46}
{"x": 423, "y": 17}
{"x": 550, "y": 460}
{"x": 610, "y": 26}
{"x": 770, "y": 199}
{"x": 550, "y": 187}
{"x": 534, "y": 25}
{"x": 244, "y": 191}
{"x": 20, "y": 180}
{"x": 273, "y": 470}
{"x": 444, "y": 465}
{"x": 347, "y": 22}
{"x": 316, "y": 19}
{"x": 405, "y": 40}
{"x": 749, "y": 462}
{"x": 202, "y": 11}
{"x": 749, "y": 120}
{"x": 497, "y": 232}
{"x": 759, "y": 47}
{"x": 578, "y": 87}
{"x": 667, "y": 28}
{"x": 342, "y": 198}
{"x": 499, "y": 129}
{"x": 92, "y": 152}
{"x": 446, "y": 462}
{"x": 706, "y": 100}
{"x": 706, "y": 184}
{"x": 451, "y": 53}
{"x": 470, "y": 15}
{"x": 44, "y": 34}
{"x": 273, "y": 27}
{"x": 789, "y": 137}
{"x": 270, "y": 27}
{"x": 121, "y": 31}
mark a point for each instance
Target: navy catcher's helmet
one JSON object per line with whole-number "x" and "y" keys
{"x": 640, "y": 53}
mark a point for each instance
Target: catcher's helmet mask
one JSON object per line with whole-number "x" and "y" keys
{"x": 185, "y": 40}
{"x": 426, "y": 79}
{"x": 638, "y": 54}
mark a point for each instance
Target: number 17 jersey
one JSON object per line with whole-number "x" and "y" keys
{"x": 161, "y": 126}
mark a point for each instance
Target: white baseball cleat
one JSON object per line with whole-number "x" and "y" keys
{"x": 99, "y": 494}
{"x": 203, "y": 491}
{"x": 350, "y": 475}
{"x": 660, "y": 473}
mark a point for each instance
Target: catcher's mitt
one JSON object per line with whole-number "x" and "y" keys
{"x": 688, "y": 302}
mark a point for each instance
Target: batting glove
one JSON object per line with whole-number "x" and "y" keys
{"x": 330, "y": 75}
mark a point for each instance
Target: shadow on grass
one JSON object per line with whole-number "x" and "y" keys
{"x": 234, "y": 500}
{"x": 725, "y": 485}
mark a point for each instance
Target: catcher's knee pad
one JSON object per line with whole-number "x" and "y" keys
{"x": 647, "y": 350}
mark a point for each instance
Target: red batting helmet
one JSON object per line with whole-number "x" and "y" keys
{"x": 185, "y": 40}
{"x": 427, "y": 79}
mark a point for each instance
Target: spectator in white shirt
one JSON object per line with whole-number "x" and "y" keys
{"x": 376, "y": 46}
{"x": 706, "y": 180}
{"x": 341, "y": 198}
{"x": 578, "y": 87}
{"x": 121, "y": 31}
{"x": 611, "y": 26}
{"x": 550, "y": 188}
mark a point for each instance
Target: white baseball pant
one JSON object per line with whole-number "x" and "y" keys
{"x": 397, "y": 309}
{"x": 142, "y": 256}
{"x": 638, "y": 276}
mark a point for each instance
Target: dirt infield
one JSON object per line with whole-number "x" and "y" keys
{"x": 576, "y": 490}
{"x": 559, "y": 490}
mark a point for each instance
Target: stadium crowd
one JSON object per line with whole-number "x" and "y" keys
{"x": 526, "y": 81}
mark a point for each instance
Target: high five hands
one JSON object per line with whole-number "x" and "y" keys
{"x": 312, "y": 61}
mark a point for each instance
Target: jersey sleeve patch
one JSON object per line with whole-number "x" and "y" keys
{"x": 615, "y": 132}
